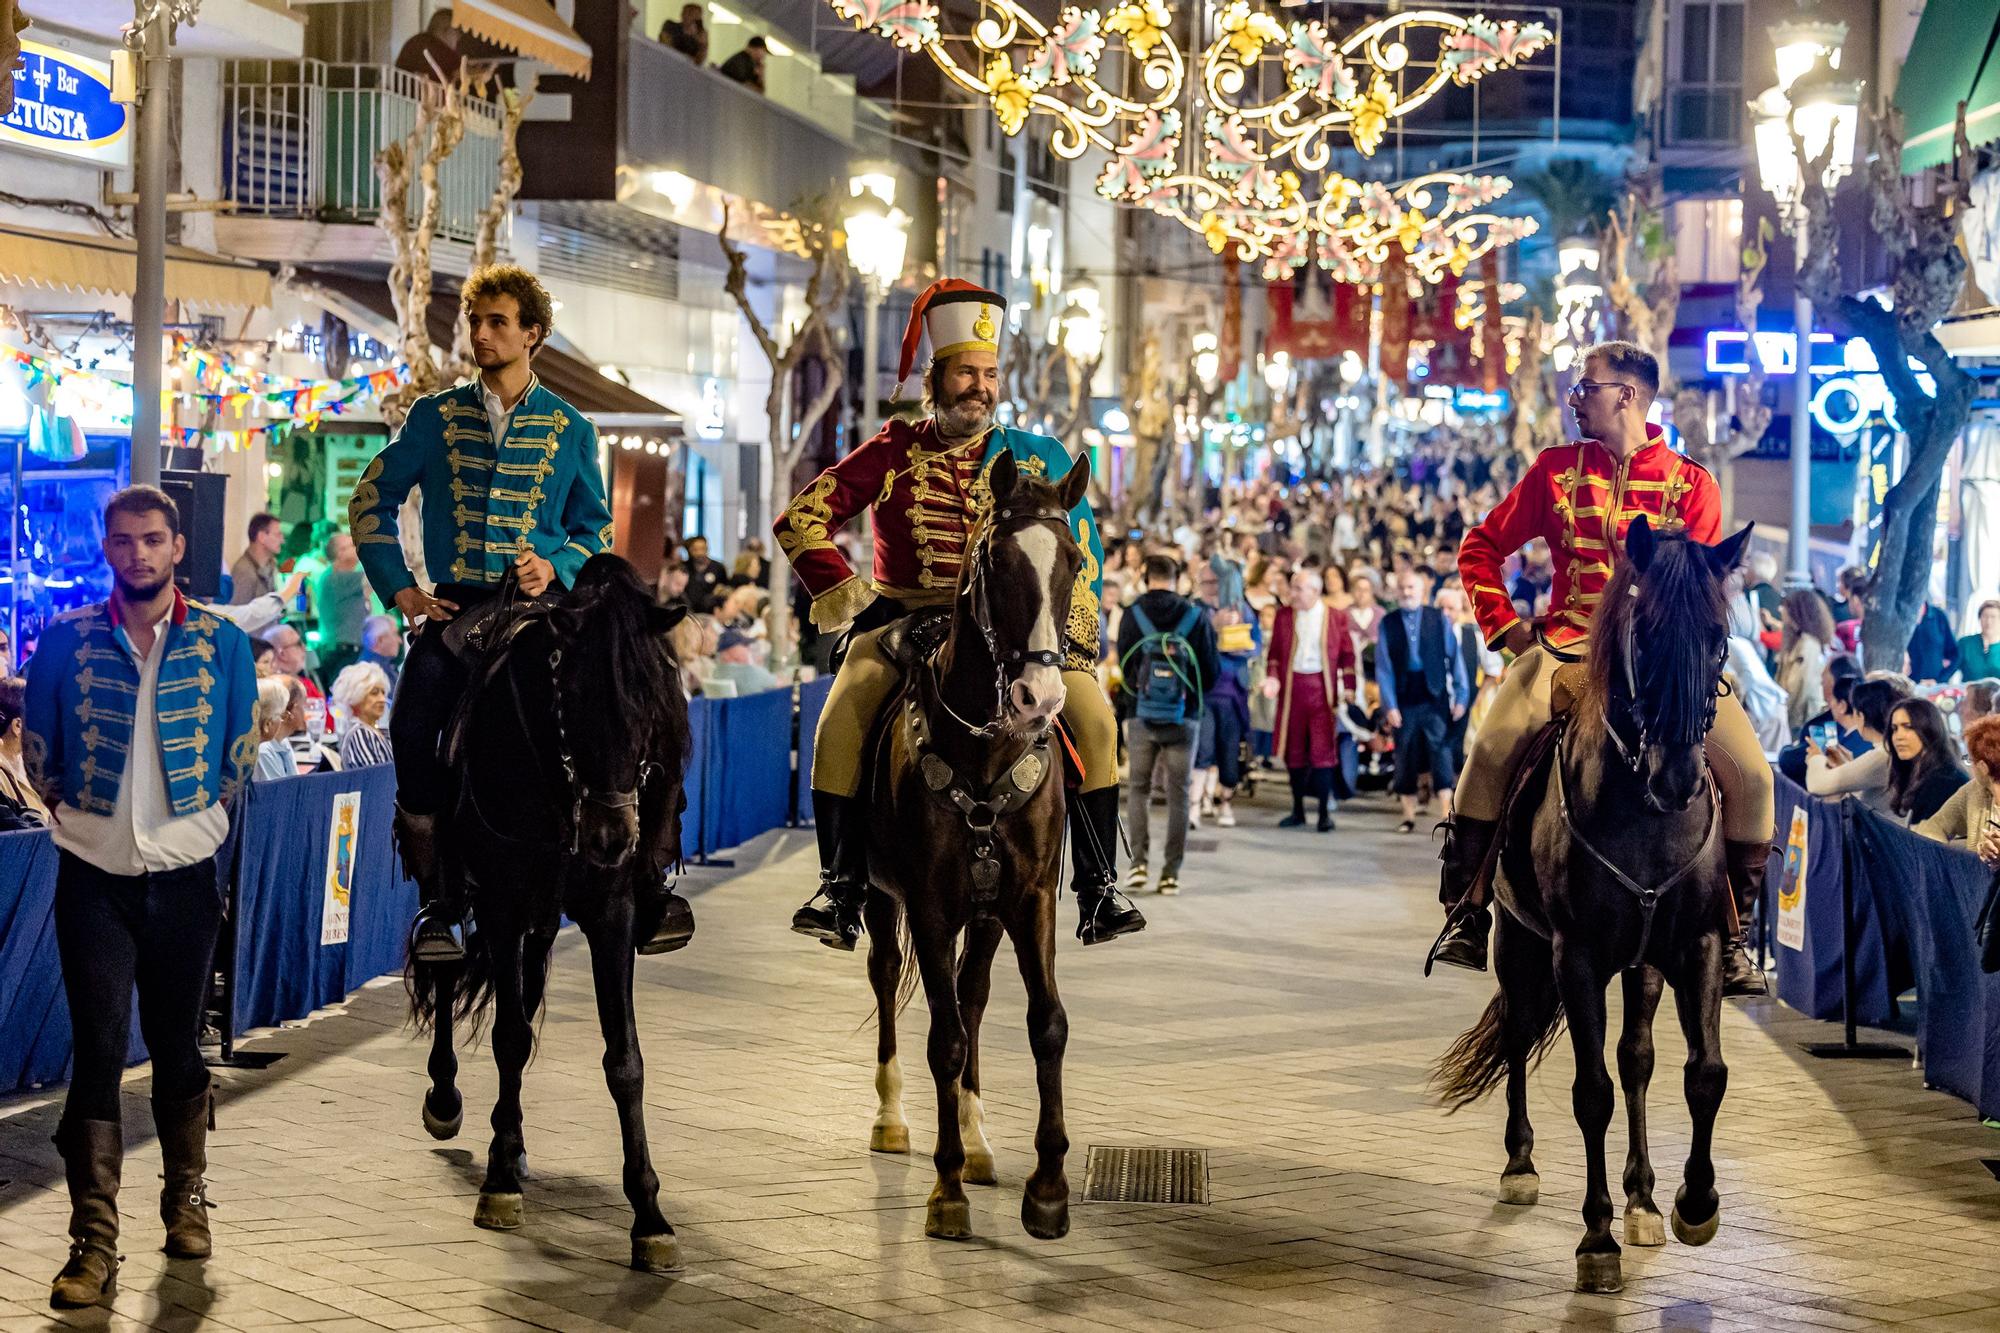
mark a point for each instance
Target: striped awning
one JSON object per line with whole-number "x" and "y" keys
{"x": 530, "y": 27}
{"x": 108, "y": 265}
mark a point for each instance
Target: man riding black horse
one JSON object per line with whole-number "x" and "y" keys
{"x": 512, "y": 489}
{"x": 927, "y": 484}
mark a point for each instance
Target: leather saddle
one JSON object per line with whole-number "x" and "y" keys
{"x": 483, "y": 649}
{"x": 916, "y": 637}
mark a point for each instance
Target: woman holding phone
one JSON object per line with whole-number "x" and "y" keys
{"x": 1831, "y": 771}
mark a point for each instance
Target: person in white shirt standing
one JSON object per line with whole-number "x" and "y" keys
{"x": 139, "y": 720}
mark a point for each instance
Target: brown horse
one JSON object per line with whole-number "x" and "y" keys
{"x": 1613, "y": 867}
{"x": 966, "y": 839}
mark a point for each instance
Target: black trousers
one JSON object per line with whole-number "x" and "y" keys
{"x": 1422, "y": 743}
{"x": 115, "y": 931}
{"x": 427, "y": 692}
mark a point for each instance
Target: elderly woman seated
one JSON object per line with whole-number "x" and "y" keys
{"x": 280, "y": 712}
{"x": 1972, "y": 814}
{"x": 362, "y": 690}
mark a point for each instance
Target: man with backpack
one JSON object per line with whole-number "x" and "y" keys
{"x": 1167, "y": 660}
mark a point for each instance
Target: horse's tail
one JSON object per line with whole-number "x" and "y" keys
{"x": 906, "y": 944}
{"x": 1477, "y": 1062}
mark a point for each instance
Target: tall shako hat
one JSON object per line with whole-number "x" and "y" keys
{"x": 959, "y": 316}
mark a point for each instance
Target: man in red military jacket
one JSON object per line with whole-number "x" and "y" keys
{"x": 1580, "y": 498}
{"x": 926, "y": 483}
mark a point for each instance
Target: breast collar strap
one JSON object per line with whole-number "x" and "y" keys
{"x": 1007, "y": 794}
{"x": 1649, "y": 898}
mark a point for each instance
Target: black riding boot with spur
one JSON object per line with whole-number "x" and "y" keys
{"x": 93, "y": 1153}
{"x": 1748, "y": 862}
{"x": 183, "y": 1131}
{"x": 833, "y": 915}
{"x": 1463, "y": 943}
{"x": 438, "y": 933}
{"x": 1103, "y": 913}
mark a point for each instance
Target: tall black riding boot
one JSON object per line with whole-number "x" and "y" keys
{"x": 183, "y": 1131}
{"x": 1296, "y": 819}
{"x": 1463, "y": 942}
{"x": 93, "y": 1153}
{"x": 841, "y": 823}
{"x": 1748, "y": 863}
{"x": 1322, "y": 787}
{"x": 1103, "y": 913}
{"x": 438, "y": 933}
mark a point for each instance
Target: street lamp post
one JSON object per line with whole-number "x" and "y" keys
{"x": 878, "y": 234}
{"x": 1821, "y": 112}
{"x": 150, "y": 41}
{"x": 1081, "y": 327}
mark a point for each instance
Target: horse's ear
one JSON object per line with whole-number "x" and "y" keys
{"x": 1640, "y": 543}
{"x": 662, "y": 619}
{"x": 1075, "y": 483}
{"x": 1003, "y": 475}
{"x": 1728, "y": 553}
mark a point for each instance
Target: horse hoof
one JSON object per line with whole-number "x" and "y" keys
{"x": 1696, "y": 1233}
{"x": 443, "y": 1127}
{"x": 498, "y": 1212}
{"x": 1522, "y": 1189}
{"x": 889, "y": 1138}
{"x": 1599, "y": 1273}
{"x": 948, "y": 1219}
{"x": 1645, "y": 1227}
{"x": 656, "y": 1254}
{"x": 1045, "y": 1219}
{"x": 978, "y": 1170}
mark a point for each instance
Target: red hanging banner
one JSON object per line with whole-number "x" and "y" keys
{"x": 1492, "y": 335}
{"x": 1395, "y": 316}
{"x": 1230, "y": 352}
{"x": 1312, "y": 317}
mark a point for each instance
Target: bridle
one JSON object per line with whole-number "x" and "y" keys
{"x": 978, "y": 575}
{"x": 1634, "y": 754}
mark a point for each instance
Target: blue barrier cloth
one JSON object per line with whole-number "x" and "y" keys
{"x": 34, "y": 1017}
{"x": 812, "y": 703}
{"x": 282, "y": 970}
{"x": 695, "y": 840}
{"x": 1935, "y": 893}
{"x": 752, "y": 766}
{"x": 1809, "y": 979}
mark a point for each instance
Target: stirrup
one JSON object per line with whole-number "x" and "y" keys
{"x": 435, "y": 937}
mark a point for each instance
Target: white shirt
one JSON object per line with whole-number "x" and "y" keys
{"x": 1309, "y": 639}
{"x": 142, "y": 835}
{"x": 498, "y": 414}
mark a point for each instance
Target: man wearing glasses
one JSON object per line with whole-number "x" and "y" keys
{"x": 1580, "y": 498}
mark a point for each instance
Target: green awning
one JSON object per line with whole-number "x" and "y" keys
{"x": 1954, "y": 58}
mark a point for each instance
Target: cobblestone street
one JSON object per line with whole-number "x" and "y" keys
{"x": 1273, "y": 1015}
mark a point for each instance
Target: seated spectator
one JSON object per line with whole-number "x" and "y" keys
{"x": 1923, "y": 764}
{"x": 1981, "y": 699}
{"x": 1836, "y": 677}
{"x": 363, "y": 691}
{"x": 1808, "y": 636}
{"x": 1972, "y": 815}
{"x": 281, "y": 710}
{"x": 21, "y": 806}
{"x": 1979, "y": 654}
{"x": 747, "y": 68}
{"x": 1839, "y": 772}
{"x": 263, "y": 656}
{"x": 743, "y": 608}
{"x": 673, "y": 584}
{"x": 750, "y": 566}
{"x": 382, "y": 647}
{"x": 689, "y": 36}
{"x": 736, "y": 662}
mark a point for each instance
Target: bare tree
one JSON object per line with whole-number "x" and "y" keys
{"x": 789, "y": 434}
{"x": 1149, "y": 409}
{"x": 401, "y": 167}
{"x": 1921, "y": 241}
{"x": 1642, "y": 280}
{"x": 486, "y": 242}
{"x": 1752, "y": 415}
{"x": 1532, "y": 423}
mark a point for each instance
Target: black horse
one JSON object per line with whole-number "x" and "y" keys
{"x": 567, "y": 760}
{"x": 966, "y": 842}
{"x": 1613, "y": 864}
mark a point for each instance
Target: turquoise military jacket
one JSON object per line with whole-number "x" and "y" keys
{"x": 540, "y": 489}
{"x": 1044, "y": 456}
{"x": 83, "y": 683}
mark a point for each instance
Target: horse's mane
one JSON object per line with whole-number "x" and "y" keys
{"x": 1678, "y": 596}
{"x": 629, "y": 670}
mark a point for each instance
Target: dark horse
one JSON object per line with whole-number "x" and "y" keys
{"x": 567, "y": 760}
{"x": 966, "y": 838}
{"x": 1613, "y": 864}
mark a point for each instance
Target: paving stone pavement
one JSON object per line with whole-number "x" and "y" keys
{"x": 1274, "y": 1014}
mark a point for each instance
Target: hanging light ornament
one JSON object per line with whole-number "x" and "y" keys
{"x": 1115, "y": 79}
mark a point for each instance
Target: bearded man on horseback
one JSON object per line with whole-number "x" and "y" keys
{"x": 1580, "y": 498}
{"x": 927, "y": 485}
{"x": 513, "y": 497}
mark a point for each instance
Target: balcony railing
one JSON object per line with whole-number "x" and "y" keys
{"x": 299, "y": 139}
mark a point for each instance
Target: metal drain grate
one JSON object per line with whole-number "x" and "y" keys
{"x": 1146, "y": 1175}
